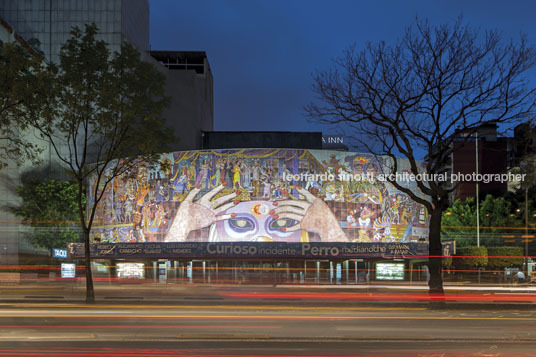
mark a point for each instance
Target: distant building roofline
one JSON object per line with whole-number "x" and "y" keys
{"x": 182, "y": 60}
{"x": 261, "y": 132}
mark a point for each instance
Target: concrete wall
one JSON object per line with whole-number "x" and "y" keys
{"x": 191, "y": 109}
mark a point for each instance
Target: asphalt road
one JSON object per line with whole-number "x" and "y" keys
{"x": 277, "y": 329}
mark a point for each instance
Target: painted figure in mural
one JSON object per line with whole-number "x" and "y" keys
{"x": 383, "y": 223}
{"x": 364, "y": 217}
{"x": 246, "y": 171}
{"x": 202, "y": 175}
{"x": 119, "y": 198}
{"x": 161, "y": 195}
{"x": 236, "y": 175}
{"x": 395, "y": 207}
{"x": 331, "y": 192}
{"x": 145, "y": 217}
{"x": 151, "y": 195}
{"x": 137, "y": 229}
{"x": 267, "y": 189}
{"x": 309, "y": 214}
{"x": 256, "y": 173}
{"x": 131, "y": 189}
{"x": 142, "y": 187}
{"x": 226, "y": 174}
{"x": 217, "y": 174}
{"x": 165, "y": 167}
{"x": 128, "y": 209}
{"x": 407, "y": 212}
{"x": 191, "y": 176}
{"x": 158, "y": 216}
{"x": 182, "y": 184}
{"x": 364, "y": 225}
{"x": 350, "y": 219}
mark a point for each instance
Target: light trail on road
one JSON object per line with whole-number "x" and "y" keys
{"x": 514, "y": 297}
{"x": 253, "y": 331}
{"x": 223, "y": 307}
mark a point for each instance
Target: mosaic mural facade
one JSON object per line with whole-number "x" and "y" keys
{"x": 263, "y": 195}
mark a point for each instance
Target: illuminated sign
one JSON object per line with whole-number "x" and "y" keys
{"x": 131, "y": 270}
{"x": 189, "y": 270}
{"x": 59, "y": 253}
{"x": 258, "y": 195}
{"x": 68, "y": 270}
{"x": 333, "y": 142}
{"x": 389, "y": 271}
{"x": 100, "y": 268}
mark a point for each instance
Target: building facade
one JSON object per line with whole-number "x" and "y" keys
{"x": 51, "y": 21}
{"x": 189, "y": 80}
{"x": 189, "y": 86}
{"x": 489, "y": 157}
{"x": 225, "y": 210}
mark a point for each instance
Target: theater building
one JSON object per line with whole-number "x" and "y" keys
{"x": 259, "y": 216}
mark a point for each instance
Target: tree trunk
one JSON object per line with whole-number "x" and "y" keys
{"x": 435, "y": 252}
{"x": 90, "y": 292}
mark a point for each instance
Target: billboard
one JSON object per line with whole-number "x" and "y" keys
{"x": 259, "y": 195}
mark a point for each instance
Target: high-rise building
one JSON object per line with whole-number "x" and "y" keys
{"x": 189, "y": 77}
{"x": 51, "y": 21}
{"x": 189, "y": 82}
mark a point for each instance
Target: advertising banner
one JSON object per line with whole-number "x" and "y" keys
{"x": 252, "y": 250}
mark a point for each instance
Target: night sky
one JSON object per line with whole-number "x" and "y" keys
{"x": 263, "y": 53}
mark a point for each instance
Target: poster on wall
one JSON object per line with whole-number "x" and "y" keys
{"x": 68, "y": 270}
{"x": 259, "y": 195}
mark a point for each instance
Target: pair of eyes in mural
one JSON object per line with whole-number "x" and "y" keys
{"x": 246, "y": 224}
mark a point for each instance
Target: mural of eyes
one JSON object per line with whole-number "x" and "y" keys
{"x": 279, "y": 224}
{"x": 241, "y": 224}
{"x": 253, "y": 222}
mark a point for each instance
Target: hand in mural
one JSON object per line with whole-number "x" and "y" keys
{"x": 312, "y": 215}
{"x": 193, "y": 215}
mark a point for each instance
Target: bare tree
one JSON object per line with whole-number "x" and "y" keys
{"x": 413, "y": 98}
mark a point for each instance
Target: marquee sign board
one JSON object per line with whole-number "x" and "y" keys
{"x": 252, "y": 250}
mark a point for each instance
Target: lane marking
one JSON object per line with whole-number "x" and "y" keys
{"x": 281, "y": 317}
{"x": 208, "y": 307}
